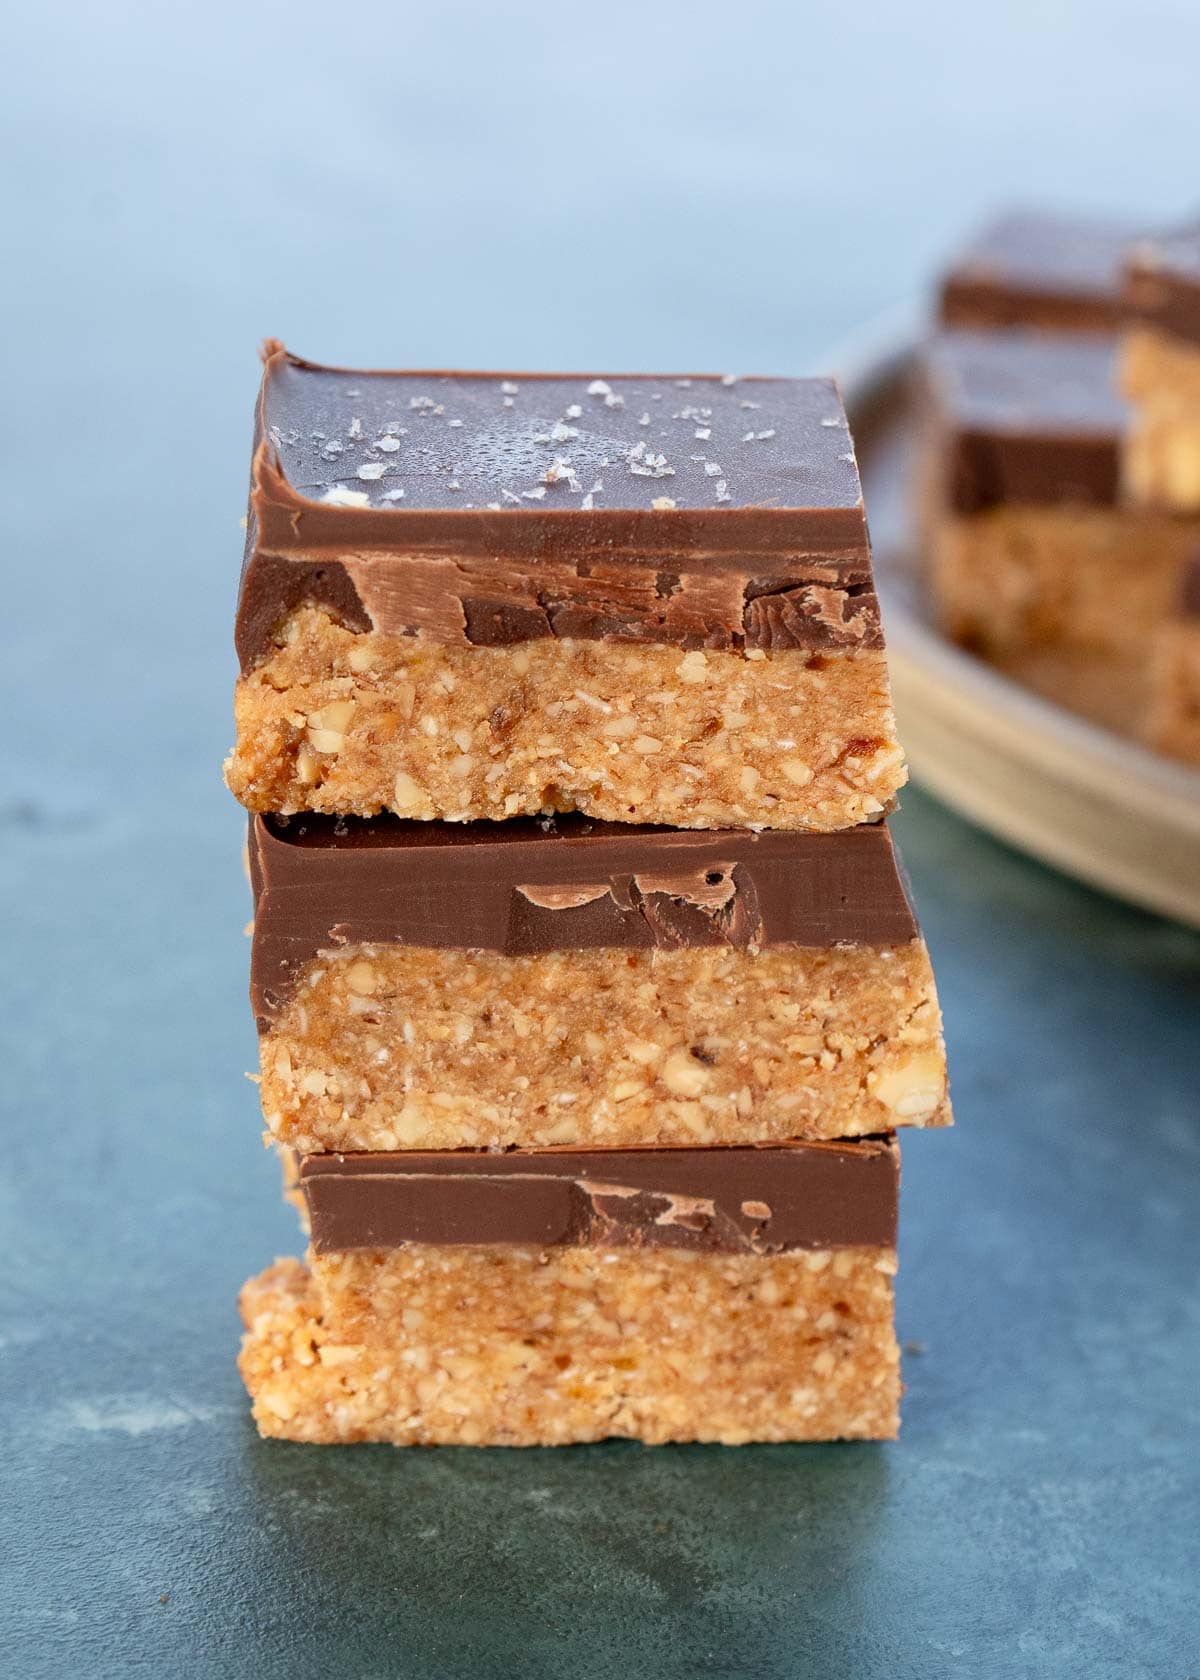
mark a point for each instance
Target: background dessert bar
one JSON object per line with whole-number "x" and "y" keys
{"x": 1038, "y": 269}
{"x": 1027, "y": 540}
{"x": 1160, "y": 372}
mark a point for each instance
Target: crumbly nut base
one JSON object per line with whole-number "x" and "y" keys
{"x": 515, "y": 1347}
{"x": 1161, "y": 455}
{"x": 1173, "y": 720}
{"x": 1074, "y": 577}
{"x": 355, "y": 723}
{"x": 1160, "y": 464}
{"x": 1155, "y": 368}
{"x": 395, "y": 1047}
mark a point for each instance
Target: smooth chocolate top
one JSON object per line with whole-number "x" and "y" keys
{"x": 1031, "y": 268}
{"x": 1162, "y": 284}
{"x": 1025, "y": 418}
{"x": 533, "y": 885}
{"x": 478, "y": 509}
{"x": 726, "y": 1200}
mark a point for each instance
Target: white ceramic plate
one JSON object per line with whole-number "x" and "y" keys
{"x": 1073, "y": 793}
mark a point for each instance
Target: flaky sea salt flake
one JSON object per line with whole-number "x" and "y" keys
{"x": 370, "y": 469}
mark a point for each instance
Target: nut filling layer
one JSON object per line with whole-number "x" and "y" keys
{"x": 515, "y": 1347}
{"x": 1093, "y": 579}
{"x": 356, "y": 723}
{"x": 1161, "y": 465}
{"x": 394, "y": 1047}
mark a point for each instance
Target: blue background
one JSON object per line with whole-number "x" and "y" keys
{"x": 640, "y": 186}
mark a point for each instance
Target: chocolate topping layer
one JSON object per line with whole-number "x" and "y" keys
{"x": 1162, "y": 285}
{"x": 1037, "y": 269}
{"x": 725, "y": 1200}
{"x": 1025, "y": 418}
{"x": 530, "y": 885}
{"x": 485, "y": 509}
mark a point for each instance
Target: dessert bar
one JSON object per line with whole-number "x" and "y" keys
{"x": 1160, "y": 372}
{"x": 1026, "y": 541}
{"x": 665, "y": 1295}
{"x": 481, "y": 596}
{"x": 1039, "y": 270}
{"x": 561, "y": 981}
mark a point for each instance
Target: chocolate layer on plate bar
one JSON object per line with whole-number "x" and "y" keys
{"x": 478, "y": 596}
{"x": 1173, "y": 723}
{"x": 1025, "y": 538}
{"x": 1160, "y": 372}
{"x": 713, "y": 1295}
{"x": 542, "y": 982}
{"x": 1031, "y": 268}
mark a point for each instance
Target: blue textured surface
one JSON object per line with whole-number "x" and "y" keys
{"x": 686, "y": 186}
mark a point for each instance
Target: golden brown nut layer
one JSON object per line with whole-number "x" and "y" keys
{"x": 516, "y": 1347}
{"x": 357, "y": 723}
{"x": 1161, "y": 456}
{"x": 396, "y": 1047}
{"x": 1024, "y": 577}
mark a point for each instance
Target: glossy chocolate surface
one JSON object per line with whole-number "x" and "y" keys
{"x": 486, "y": 509}
{"x": 1024, "y": 418}
{"x": 1031, "y": 268}
{"x": 724, "y": 1200}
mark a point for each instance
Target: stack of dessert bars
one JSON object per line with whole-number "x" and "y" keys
{"x": 1061, "y": 487}
{"x": 589, "y": 990}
